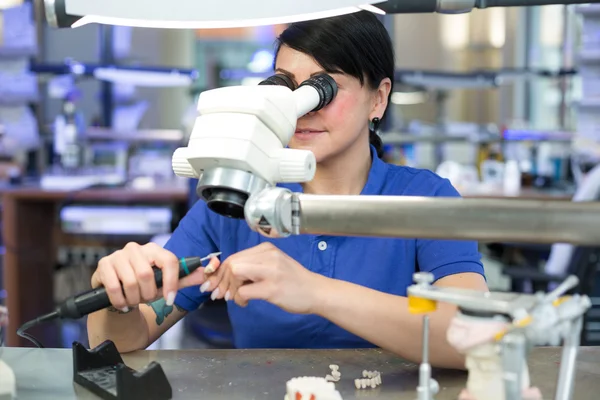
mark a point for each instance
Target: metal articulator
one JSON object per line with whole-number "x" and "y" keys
{"x": 537, "y": 319}
{"x": 428, "y": 387}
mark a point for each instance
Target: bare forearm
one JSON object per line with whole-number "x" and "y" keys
{"x": 128, "y": 331}
{"x": 134, "y": 330}
{"x": 385, "y": 321}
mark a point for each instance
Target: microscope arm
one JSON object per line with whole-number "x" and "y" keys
{"x": 277, "y": 212}
{"x": 461, "y": 6}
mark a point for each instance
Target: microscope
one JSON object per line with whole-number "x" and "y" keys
{"x": 238, "y": 146}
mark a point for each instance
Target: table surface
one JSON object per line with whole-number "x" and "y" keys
{"x": 262, "y": 374}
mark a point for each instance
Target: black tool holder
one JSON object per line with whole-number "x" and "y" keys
{"x": 102, "y": 371}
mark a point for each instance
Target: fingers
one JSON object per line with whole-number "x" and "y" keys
{"x": 169, "y": 264}
{"x": 213, "y": 282}
{"x": 253, "y": 291}
{"x": 244, "y": 267}
{"x": 128, "y": 278}
{"x": 224, "y": 288}
{"x": 249, "y": 271}
{"x": 250, "y": 275}
{"x": 129, "y": 275}
{"x": 234, "y": 285}
{"x": 223, "y": 283}
{"x": 145, "y": 274}
{"x": 219, "y": 277}
{"x": 107, "y": 277}
{"x": 199, "y": 276}
{"x": 255, "y": 253}
{"x": 238, "y": 299}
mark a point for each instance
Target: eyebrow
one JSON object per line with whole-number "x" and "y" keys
{"x": 291, "y": 75}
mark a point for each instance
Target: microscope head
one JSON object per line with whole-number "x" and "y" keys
{"x": 238, "y": 145}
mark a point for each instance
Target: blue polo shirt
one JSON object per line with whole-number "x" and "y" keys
{"x": 383, "y": 264}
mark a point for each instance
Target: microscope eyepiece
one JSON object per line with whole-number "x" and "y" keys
{"x": 279, "y": 80}
{"x": 326, "y": 87}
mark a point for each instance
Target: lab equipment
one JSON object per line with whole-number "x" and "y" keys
{"x": 145, "y": 76}
{"x": 85, "y": 219}
{"x": 96, "y": 299}
{"x": 428, "y": 387}
{"x": 184, "y": 14}
{"x": 278, "y": 212}
{"x": 68, "y": 134}
{"x": 227, "y": 190}
{"x": 102, "y": 371}
{"x": 237, "y": 151}
{"x": 238, "y": 144}
{"x": 496, "y": 330}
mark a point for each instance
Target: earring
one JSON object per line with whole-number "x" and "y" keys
{"x": 374, "y": 124}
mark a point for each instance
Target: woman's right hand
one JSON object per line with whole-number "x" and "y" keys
{"x": 128, "y": 276}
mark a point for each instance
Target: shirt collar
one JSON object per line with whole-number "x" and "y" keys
{"x": 375, "y": 180}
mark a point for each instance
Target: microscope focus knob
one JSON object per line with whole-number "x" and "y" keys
{"x": 423, "y": 278}
{"x": 181, "y": 165}
{"x": 296, "y": 165}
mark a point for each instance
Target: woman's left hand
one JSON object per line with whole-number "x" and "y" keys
{"x": 264, "y": 272}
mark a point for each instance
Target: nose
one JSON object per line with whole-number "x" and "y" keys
{"x": 309, "y": 114}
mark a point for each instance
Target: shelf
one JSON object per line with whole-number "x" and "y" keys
{"x": 592, "y": 10}
{"x": 394, "y": 138}
{"x": 150, "y": 135}
{"x": 13, "y": 52}
{"x": 588, "y": 103}
{"x": 589, "y": 56}
{"x": 17, "y": 100}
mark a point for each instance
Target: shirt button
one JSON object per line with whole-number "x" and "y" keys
{"x": 322, "y": 246}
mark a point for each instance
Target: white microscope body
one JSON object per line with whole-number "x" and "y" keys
{"x": 238, "y": 144}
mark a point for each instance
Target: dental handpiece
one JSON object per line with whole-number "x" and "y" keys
{"x": 97, "y": 299}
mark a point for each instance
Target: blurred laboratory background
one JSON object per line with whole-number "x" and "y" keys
{"x": 503, "y": 102}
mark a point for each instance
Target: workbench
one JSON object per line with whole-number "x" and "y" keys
{"x": 261, "y": 374}
{"x": 31, "y": 235}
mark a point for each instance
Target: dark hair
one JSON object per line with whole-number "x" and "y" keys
{"x": 356, "y": 44}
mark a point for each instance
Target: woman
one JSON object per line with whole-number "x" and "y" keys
{"x": 306, "y": 291}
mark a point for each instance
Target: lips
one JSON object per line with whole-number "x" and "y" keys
{"x": 308, "y": 131}
{"x": 307, "y": 134}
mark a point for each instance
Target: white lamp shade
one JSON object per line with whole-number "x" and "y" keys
{"x": 206, "y": 14}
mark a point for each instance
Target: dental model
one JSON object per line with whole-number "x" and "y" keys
{"x": 370, "y": 379}
{"x": 474, "y": 337}
{"x": 210, "y": 269}
{"x": 335, "y": 374}
{"x": 311, "y": 388}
